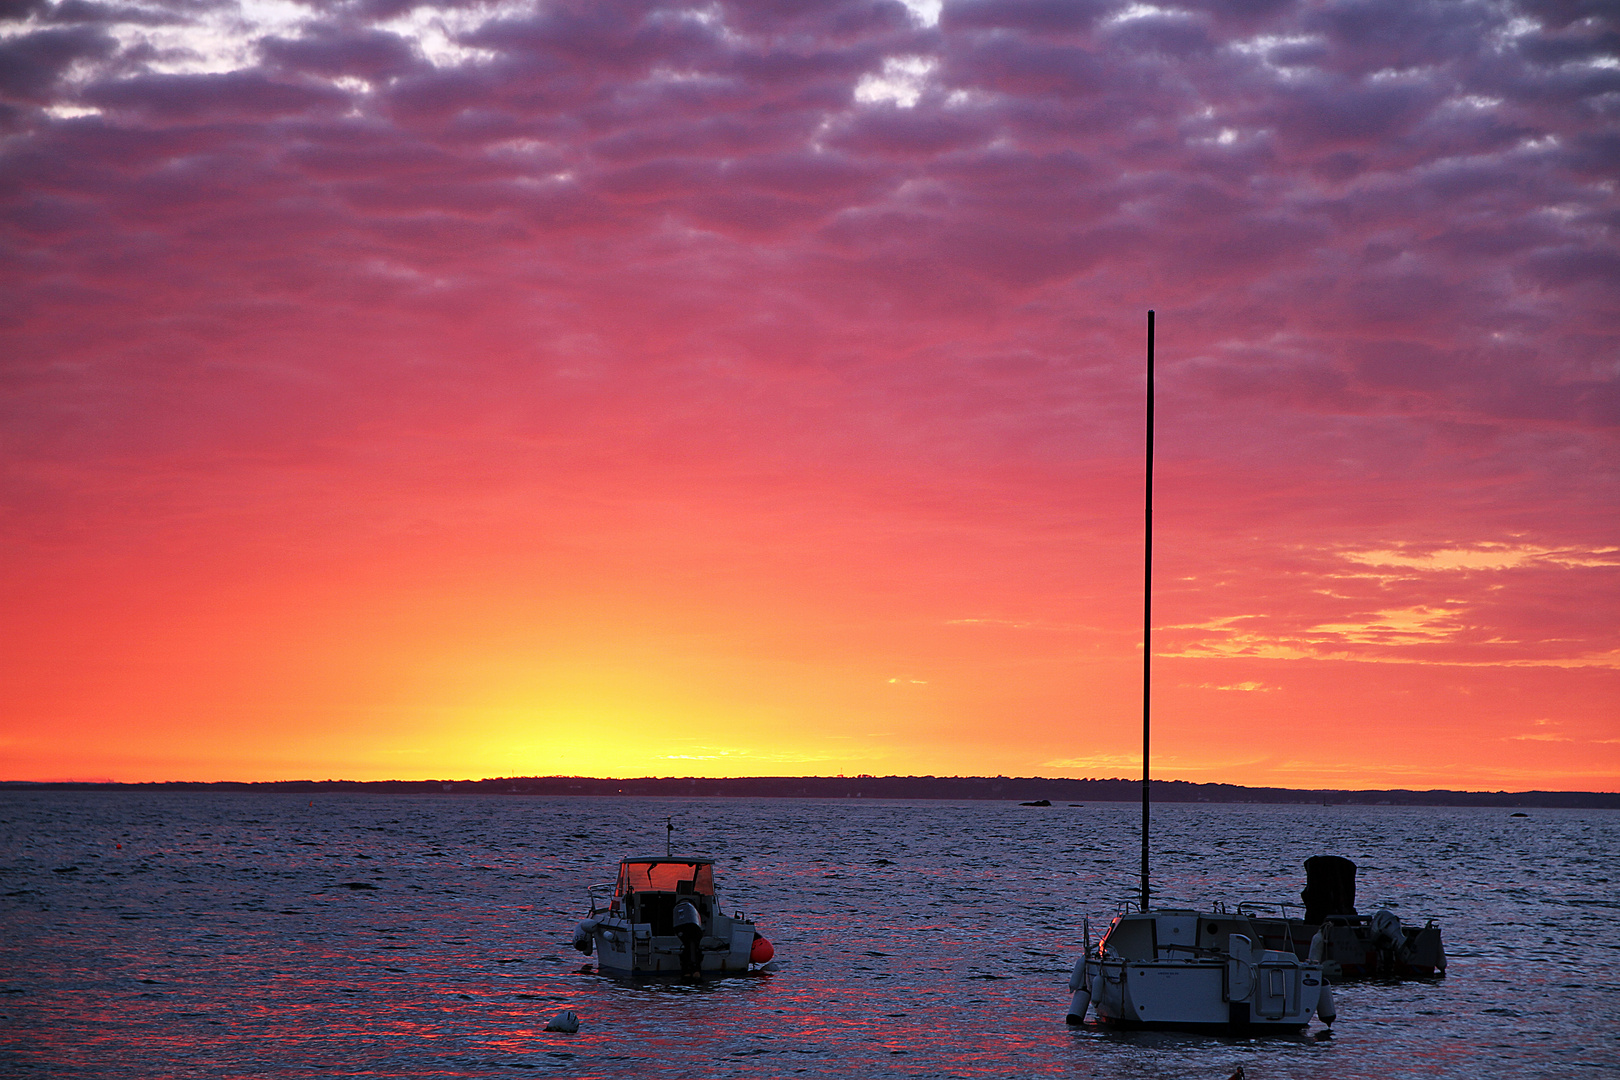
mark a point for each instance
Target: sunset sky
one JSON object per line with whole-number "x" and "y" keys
{"x": 628, "y": 388}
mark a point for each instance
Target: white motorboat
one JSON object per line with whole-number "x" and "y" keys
{"x": 662, "y": 917}
{"x": 1176, "y": 967}
{"x": 1195, "y": 971}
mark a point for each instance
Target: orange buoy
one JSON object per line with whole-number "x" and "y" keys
{"x": 762, "y": 951}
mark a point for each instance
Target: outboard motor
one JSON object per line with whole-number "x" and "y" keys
{"x": 1330, "y": 888}
{"x": 583, "y": 936}
{"x": 689, "y": 928}
{"x": 1388, "y": 935}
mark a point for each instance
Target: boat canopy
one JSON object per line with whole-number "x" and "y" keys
{"x": 666, "y": 875}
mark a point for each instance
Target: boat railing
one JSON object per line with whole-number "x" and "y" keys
{"x": 1263, "y": 908}
{"x": 1195, "y": 951}
{"x": 601, "y": 892}
{"x": 1346, "y": 920}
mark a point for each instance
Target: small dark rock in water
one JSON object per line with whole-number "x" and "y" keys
{"x": 1518, "y": 815}
{"x": 1037, "y": 802}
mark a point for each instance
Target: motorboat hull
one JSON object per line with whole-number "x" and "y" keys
{"x": 633, "y": 949}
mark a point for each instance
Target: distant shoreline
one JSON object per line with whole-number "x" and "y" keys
{"x": 991, "y": 788}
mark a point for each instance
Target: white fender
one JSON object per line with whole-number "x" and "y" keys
{"x": 1078, "y": 1004}
{"x": 1080, "y": 985}
{"x": 1318, "y": 947}
{"x": 1325, "y": 1009}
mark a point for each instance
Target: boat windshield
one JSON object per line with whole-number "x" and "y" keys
{"x": 1130, "y": 939}
{"x": 666, "y": 875}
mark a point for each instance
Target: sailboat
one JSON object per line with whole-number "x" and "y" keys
{"x": 1179, "y": 968}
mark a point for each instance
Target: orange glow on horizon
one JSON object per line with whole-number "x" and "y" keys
{"x": 407, "y": 683}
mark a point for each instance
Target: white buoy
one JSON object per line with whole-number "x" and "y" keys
{"x": 566, "y": 1021}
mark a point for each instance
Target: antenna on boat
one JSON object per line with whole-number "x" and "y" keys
{"x": 1147, "y": 612}
{"x": 669, "y": 836}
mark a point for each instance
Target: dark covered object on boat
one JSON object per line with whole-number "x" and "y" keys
{"x": 1330, "y": 888}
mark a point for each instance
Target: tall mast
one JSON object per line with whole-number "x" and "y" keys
{"x": 1147, "y": 613}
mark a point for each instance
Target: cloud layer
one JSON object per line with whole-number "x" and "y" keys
{"x": 783, "y": 360}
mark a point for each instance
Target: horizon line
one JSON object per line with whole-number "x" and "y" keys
{"x": 1134, "y": 782}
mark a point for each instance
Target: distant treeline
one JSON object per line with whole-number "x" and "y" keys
{"x": 1010, "y": 788}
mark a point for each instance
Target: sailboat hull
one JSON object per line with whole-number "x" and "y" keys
{"x": 1164, "y": 970}
{"x": 1199, "y": 996}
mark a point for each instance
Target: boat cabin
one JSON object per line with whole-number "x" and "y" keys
{"x": 648, "y": 890}
{"x": 1171, "y": 934}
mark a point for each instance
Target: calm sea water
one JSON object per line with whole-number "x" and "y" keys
{"x": 225, "y": 937}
